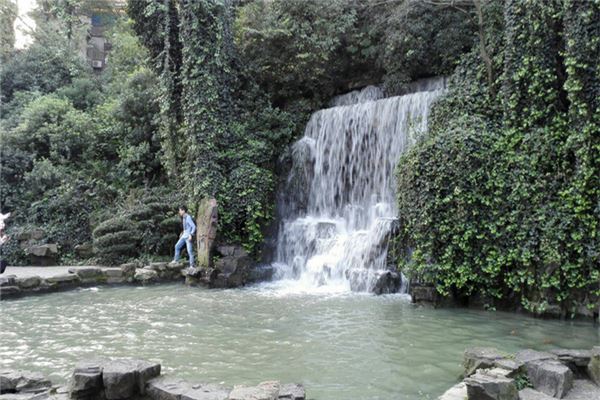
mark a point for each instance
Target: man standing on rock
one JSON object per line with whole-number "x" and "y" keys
{"x": 189, "y": 228}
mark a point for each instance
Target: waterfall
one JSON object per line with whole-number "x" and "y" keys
{"x": 339, "y": 205}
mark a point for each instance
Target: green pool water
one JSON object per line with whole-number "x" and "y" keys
{"x": 340, "y": 346}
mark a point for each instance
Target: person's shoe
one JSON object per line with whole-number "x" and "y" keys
{"x": 173, "y": 262}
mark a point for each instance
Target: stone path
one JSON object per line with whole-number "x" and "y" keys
{"x": 42, "y": 272}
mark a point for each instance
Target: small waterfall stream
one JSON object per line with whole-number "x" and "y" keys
{"x": 339, "y": 204}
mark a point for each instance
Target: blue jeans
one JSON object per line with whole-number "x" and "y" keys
{"x": 183, "y": 240}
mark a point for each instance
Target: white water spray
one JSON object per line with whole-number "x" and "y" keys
{"x": 340, "y": 203}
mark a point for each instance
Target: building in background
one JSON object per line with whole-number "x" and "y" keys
{"x": 93, "y": 18}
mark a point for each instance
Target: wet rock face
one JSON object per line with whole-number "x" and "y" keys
{"x": 388, "y": 282}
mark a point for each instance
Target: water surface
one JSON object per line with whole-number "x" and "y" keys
{"x": 340, "y": 346}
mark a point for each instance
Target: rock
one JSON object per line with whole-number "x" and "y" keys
{"x": 88, "y": 274}
{"x": 44, "y": 250}
{"x": 484, "y": 385}
{"x": 531, "y": 394}
{"x": 119, "y": 380}
{"x": 86, "y": 379}
{"x": 550, "y": 377}
{"x": 423, "y": 294}
{"x": 387, "y": 282}
{"x": 481, "y": 357}
{"x": 7, "y": 280}
{"x": 577, "y": 360}
{"x": 114, "y": 275}
{"x": 206, "y": 392}
{"x": 583, "y": 389}
{"x": 23, "y": 382}
{"x": 29, "y": 282}
{"x": 206, "y": 231}
{"x": 43, "y": 255}
{"x": 456, "y": 392}
{"x": 63, "y": 280}
{"x": 9, "y": 291}
{"x": 261, "y": 273}
{"x": 145, "y": 275}
{"x": 85, "y": 250}
{"x": 264, "y": 391}
{"x": 593, "y": 368}
{"x": 33, "y": 234}
{"x": 157, "y": 266}
{"x": 527, "y": 355}
{"x": 292, "y": 391}
{"x": 166, "y": 388}
{"x": 225, "y": 251}
{"x": 128, "y": 268}
{"x": 25, "y": 396}
{"x": 146, "y": 370}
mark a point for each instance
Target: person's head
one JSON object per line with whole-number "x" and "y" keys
{"x": 182, "y": 210}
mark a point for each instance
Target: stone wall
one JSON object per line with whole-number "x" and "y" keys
{"x": 528, "y": 375}
{"x": 123, "y": 379}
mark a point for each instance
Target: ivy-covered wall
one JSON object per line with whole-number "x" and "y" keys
{"x": 501, "y": 200}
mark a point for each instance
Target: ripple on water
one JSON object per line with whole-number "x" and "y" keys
{"x": 339, "y": 345}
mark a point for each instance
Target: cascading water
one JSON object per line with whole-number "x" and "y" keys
{"x": 339, "y": 204}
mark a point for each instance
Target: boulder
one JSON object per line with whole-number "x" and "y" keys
{"x": 550, "y": 377}
{"x": 29, "y": 282}
{"x": 206, "y": 392}
{"x": 456, "y": 392}
{"x": 63, "y": 280}
{"x": 43, "y": 255}
{"x": 593, "y": 367}
{"x": 145, "y": 275}
{"x": 23, "y": 382}
{"x": 119, "y": 379}
{"x": 423, "y": 294}
{"x": 292, "y": 391}
{"x": 264, "y": 391}
{"x": 9, "y": 291}
{"x": 8, "y": 280}
{"x": 527, "y": 355}
{"x": 88, "y": 274}
{"x": 577, "y": 360}
{"x": 146, "y": 370}
{"x": 481, "y": 357}
{"x": 129, "y": 269}
{"x": 488, "y": 385}
{"x": 86, "y": 380}
{"x": 387, "y": 282}
{"x": 583, "y": 389}
{"x": 225, "y": 251}
{"x": 531, "y": 394}
{"x": 114, "y": 275}
{"x": 206, "y": 231}
{"x": 166, "y": 388}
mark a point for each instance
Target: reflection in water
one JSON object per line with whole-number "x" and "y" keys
{"x": 344, "y": 346}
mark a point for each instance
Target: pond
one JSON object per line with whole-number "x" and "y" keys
{"x": 339, "y": 345}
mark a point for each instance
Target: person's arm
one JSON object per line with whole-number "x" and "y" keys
{"x": 192, "y": 226}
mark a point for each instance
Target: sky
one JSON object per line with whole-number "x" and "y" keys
{"x": 24, "y": 23}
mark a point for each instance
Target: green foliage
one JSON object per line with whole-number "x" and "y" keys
{"x": 501, "y": 199}
{"x": 418, "y": 39}
{"x": 291, "y": 46}
{"x": 8, "y": 15}
{"x": 44, "y": 66}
